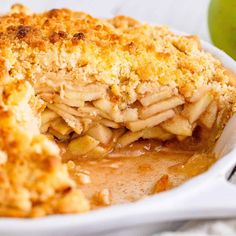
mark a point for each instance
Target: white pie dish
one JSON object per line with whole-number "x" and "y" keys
{"x": 208, "y": 195}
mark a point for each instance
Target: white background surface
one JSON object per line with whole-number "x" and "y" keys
{"x": 185, "y": 15}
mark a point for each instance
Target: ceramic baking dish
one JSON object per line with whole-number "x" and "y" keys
{"x": 208, "y": 195}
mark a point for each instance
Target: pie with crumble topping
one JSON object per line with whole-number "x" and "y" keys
{"x": 79, "y": 93}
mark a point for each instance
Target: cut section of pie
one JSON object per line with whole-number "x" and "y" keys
{"x": 72, "y": 85}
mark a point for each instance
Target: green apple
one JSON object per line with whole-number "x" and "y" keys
{"x": 222, "y": 25}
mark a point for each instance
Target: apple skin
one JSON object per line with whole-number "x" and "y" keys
{"x": 222, "y": 25}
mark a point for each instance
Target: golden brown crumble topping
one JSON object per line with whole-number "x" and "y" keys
{"x": 97, "y": 86}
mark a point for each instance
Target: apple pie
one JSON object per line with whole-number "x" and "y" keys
{"x": 73, "y": 86}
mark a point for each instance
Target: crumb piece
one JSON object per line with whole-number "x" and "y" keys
{"x": 77, "y": 37}
{"x": 3, "y": 157}
{"x": 22, "y": 31}
{"x": 73, "y": 202}
{"x": 55, "y": 37}
{"x": 71, "y": 165}
{"x": 83, "y": 178}
{"x": 19, "y": 8}
{"x": 103, "y": 198}
{"x": 162, "y": 184}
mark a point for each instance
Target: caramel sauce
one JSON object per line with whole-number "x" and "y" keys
{"x": 137, "y": 172}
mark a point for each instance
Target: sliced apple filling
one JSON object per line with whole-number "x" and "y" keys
{"x": 91, "y": 124}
